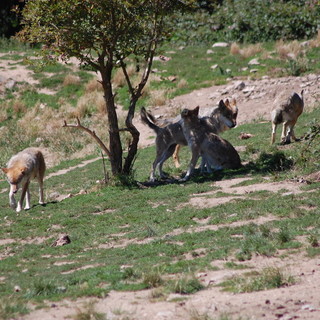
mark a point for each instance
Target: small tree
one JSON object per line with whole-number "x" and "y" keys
{"x": 102, "y": 34}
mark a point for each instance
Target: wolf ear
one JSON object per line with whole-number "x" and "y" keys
{"x": 5, "y": 170}
{"x": 222, "y": 104}
{"x": 196, "y": 110}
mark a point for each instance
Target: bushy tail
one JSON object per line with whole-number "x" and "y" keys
{"x": 146, "y": 117}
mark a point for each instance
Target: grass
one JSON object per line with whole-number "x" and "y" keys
{"x": 134, "y": 238}
{"x": 268, "y": 278}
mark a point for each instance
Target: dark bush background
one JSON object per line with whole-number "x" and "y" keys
{"x": 248, "y": 21}
{"x": 220, "y": 20}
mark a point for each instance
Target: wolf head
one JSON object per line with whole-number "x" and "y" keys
{"x": 227, "y": 111}
{"x": 14, "y": 177}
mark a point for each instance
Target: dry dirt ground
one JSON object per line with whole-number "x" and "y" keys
{"x": 299, "y": 301}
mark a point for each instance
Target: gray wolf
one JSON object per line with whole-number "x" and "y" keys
{"x": 287, "y": 113}
{"x": 216, "y": 152}
{"x": 168, "y": 137}
{"x": 221, "y": 119}
{"x": 21, "y": 168}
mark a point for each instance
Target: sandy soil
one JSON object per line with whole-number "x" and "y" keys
{"x": 255, "y": 99}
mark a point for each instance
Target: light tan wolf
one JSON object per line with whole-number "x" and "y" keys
{"x": 222, "y": 118}
{"x": 21, "y": 168}
{"x": 216, "y": 152}
{"x": 287, "y": 113}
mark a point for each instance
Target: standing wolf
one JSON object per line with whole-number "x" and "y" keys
{"x": 217, "y": 153}
{"x": 222, "y": 118}
{"x": 287, "y": 113}
{"x": 21, "y": 168}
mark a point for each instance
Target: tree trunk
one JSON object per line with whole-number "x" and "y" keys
{"x": 115, "y": 146}
{"x": 133, "y": 146}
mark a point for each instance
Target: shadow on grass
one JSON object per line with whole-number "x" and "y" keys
{"x": 265, "y": 164}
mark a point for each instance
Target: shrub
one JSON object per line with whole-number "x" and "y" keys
{"x": 259, "y": 20}
{"x": 277, "y": 161}
{"x": 249, "y": 21}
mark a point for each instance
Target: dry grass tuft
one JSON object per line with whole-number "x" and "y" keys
{"x": 119, "y": 79}
{"x": 158, "y": 98}
{"x": 289, "y": 50}
{"x": 93, "y": 85}
{"x": 252, "y": 50}
{"x": 18, "y": 106}
{"x": 182, "y": 84}
{"x": 235, "y": 49}
{"x": 71, "y": 79}
{"x": 246, "y": 52}
{"x": 315, "y": 43}
{"x": 88, "y": 104}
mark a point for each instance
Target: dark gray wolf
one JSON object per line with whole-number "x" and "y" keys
{"x": 170, "y": 136}
{"x": 216, "y": 152}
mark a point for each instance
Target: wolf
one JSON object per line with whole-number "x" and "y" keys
{"x": 287, "y": 113}
{"x": 221, "y": 119}
{"x": 26, "y": 165}
{"x": 168, "y": 137}
{"x": 216, "y": 152}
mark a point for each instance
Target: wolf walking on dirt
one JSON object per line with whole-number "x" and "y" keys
{"x": 287, "y": 113}
{"x": 21, "y": 168}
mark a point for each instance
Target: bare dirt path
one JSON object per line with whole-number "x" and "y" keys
{"x": 255, "y": 99}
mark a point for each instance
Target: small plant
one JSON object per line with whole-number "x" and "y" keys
{"x": 277, "y": 161}
{"x": 284, "y": 235}
{"x": 268, "y": 278}
{"x": 158, "y": 294}
{"x": 313, "y": 239}
{"x": 152, "y": 279}
{"x": 10, "y": 307}
{"x": 130, "y": 273}
{"x": 296, "y": 67}
{"x": 45, "y": 288}
{"x": 87, "y": 312}
{"x": 186, "y": 285}
{"x": 196, "y": 315}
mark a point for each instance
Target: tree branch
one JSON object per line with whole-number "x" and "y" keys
{"x": 92, "y": 133}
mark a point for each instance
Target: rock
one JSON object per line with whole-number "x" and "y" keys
{"x": 239, "y": 85}
{"x": 253, "y": 62}
{"x": 10, "y": 84}
{"x": 17, "y": 288}
{"x": 220, "y": 44}
{"x": 254, "y": 70}
{"x": 312, "y": 77}
{"x": 210, "y": 51}
{"x": 215, "y": 66}
{"x": 162, "y": 315}
{"x": 61, "y": 241}
{"x": 305, "y": 43}
{"x": 244, "y": 136}
{"x": 248, "y": 89}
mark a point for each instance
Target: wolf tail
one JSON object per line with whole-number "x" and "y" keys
{"x": 148, "y": 119}
{"x": 276, "y": 116}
